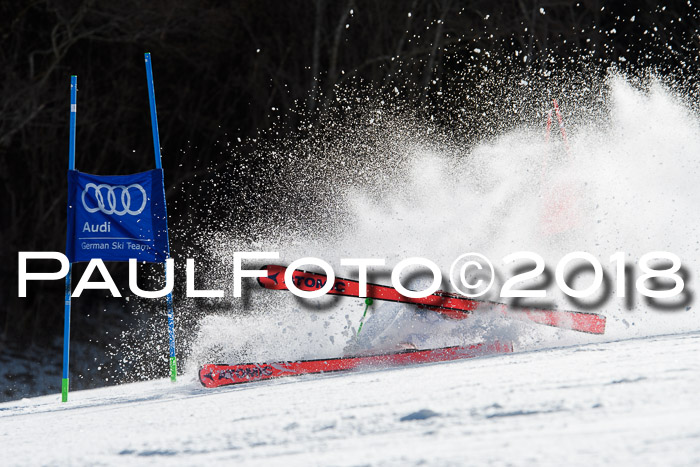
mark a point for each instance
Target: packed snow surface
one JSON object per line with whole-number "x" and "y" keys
{"x": 613, "y": 403}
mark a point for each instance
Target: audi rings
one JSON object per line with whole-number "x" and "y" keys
{"x": 110, "y": 192}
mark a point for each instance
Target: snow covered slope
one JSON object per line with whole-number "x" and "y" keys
{"x": 625, "y": 402}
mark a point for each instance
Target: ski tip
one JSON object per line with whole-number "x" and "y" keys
{"x": 274, "y": 279}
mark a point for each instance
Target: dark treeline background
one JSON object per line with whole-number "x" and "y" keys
{"x": 230, "y": 70}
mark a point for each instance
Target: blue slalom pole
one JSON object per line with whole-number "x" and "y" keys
{"x": 66, "y": 312}
{"x": 73, "y": 113}
{"x": 66, "y": 336}
{"x": 156, "y": 147}
{"x": 152, "y": 101}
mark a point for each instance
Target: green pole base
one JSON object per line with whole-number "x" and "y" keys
{"x": 173, "y": 369}
{"x": 64, "y": 390}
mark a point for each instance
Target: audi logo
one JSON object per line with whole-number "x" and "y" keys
{"x": 106, "y": 198}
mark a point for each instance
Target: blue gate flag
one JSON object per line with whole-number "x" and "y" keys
{"x": 117, "y": 217}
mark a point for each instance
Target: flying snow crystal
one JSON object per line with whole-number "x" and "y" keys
{"x": 401, "y": 186}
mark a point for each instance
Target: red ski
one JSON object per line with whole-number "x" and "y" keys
{"x": 214, "y": 375}
{"x": 451, "y": 305}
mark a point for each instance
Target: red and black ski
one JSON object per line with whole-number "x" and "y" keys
{"x": 451, "y": 305}
{"x": 214, "y": 375}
